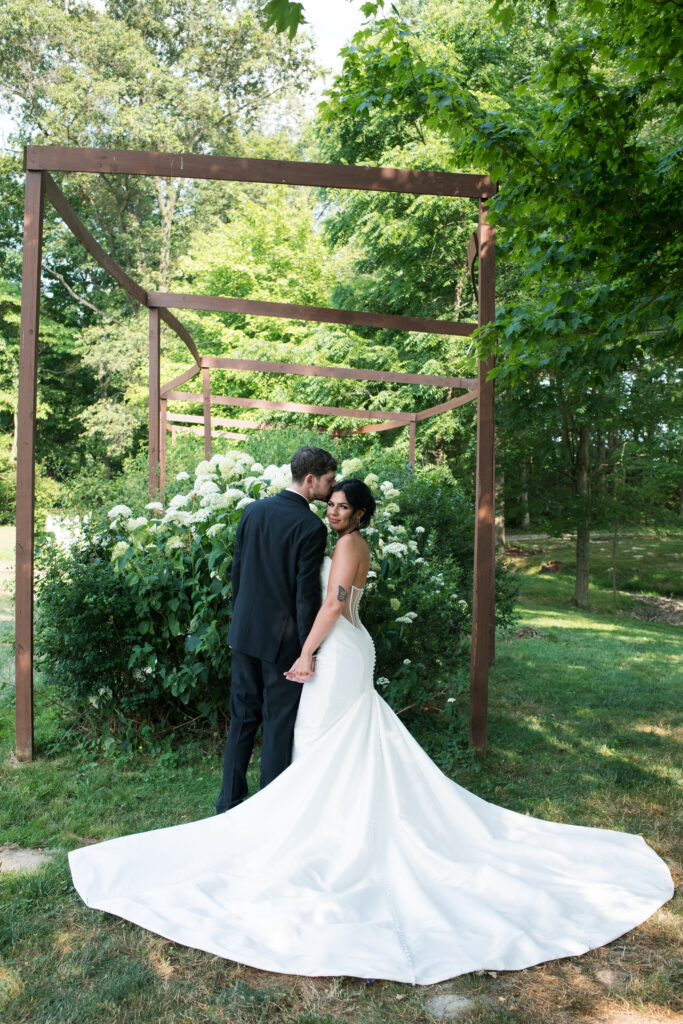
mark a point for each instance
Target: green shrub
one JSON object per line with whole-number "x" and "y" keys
{"x": 134, "y": 608}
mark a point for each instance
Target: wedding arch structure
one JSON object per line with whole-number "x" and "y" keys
{"x": 39, "y": 164}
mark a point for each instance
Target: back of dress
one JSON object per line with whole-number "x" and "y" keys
{"x": 343, "y": 674}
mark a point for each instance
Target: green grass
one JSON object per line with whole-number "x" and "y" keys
{"x": 585, "y": 726}
{"x": 6, "y": 545}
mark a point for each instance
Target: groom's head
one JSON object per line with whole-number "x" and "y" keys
{"x": 313, "y": 472}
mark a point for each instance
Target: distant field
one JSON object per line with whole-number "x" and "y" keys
{"x": 6, "y": 544}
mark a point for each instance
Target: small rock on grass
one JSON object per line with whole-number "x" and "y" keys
{"x": 448, "y": 1007}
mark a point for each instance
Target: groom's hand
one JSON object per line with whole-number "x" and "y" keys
{"x": 301, "y": 671}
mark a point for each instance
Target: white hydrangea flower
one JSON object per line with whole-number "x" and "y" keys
{"x": 174, "y": 543}
{"x": 372, "y": 575}
{"x": 370, "y": 531}
{"x": 182, "y": 476}
{"x": 233, "y": 494}
{"x": 382, "y": 681}
{"x": 450, "y": 700}
{"x": 386, "y": 485}
{"x": 154, "y": 506}
{"x": 203, "y": 468}
{"x": 133, "y": 524}
{"x": 178, "y": 501}
{"x": 208, "y": 487}
{"x": 391, "y": 492}
{"x": 201, "y": 515}
{"x": 119, "y": 510}
{"x": 391, "y": 508}
{"x": 214, "y": 530}
{"x": 395, "y": 604}
{"x": 178, "y": 516}
{"x": 372, "y": 480}
{"x": 395, "y": 548}
{"x": 419, "y": 561}
{"x": 462, "y": 604}
{"x": 412, "y": 544}
{"x": 407, "y": 661}
{"x": 256, "y": 467}
{"x": 351, "y": 466}
{"x": 405, "y": 619}
{"x": 243, "y": 502}
{"x": 419, "y": 529}
{"x": 118, "y": 550}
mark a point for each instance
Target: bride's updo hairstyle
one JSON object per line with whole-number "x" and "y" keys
{"x": 359, "y": 496}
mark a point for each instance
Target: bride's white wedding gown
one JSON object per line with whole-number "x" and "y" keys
{"x": 363, "y": 859}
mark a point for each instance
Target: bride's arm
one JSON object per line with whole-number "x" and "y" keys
{"x": 342, "y": 574}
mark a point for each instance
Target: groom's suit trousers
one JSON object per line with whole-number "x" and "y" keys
{"x": 259, "y": 693}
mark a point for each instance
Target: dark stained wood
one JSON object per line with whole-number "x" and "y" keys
{"x": 484, "y": 537}
{"x": 180, "y": 379}
{"x": 321, "y": 410}
{"x": 315, "y": 314}
{"x": 180, "y": 417}
{"x": 206, "y": 397}
{"x": 73, "y": 222}
{"x": 282, "y": 172}
{"x": 91, "y": 245}
{"x": 452, "y": 403}
{"x": 182, "y": 332}
{"x": 26, "y": 425}
{"x": 339, "y": 372}
{"x": 163, "y": 420}
{"x": 154, "y": 401}
{"x": 412, "y": 440}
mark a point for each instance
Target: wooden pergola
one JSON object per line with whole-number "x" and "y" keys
{"x": 39, "y": 161}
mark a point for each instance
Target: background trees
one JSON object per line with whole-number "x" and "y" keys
{"x": 573, "y": 107}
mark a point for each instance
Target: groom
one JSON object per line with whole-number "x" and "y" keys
{"x": 279, "y": 548}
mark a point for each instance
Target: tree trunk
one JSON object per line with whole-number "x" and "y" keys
{"x": 581, "y": 482}
{"x": 526, "y": 519}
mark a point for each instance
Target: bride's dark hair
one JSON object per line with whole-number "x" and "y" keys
{"x": 359, "y": 496}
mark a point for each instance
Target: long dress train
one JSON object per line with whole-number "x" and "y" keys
{"x": 363, "y": 859}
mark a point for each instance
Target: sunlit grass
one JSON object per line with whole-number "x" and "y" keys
{"x": 585, "y": 726}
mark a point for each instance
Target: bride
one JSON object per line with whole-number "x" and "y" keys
{"x": 362, "y": 858}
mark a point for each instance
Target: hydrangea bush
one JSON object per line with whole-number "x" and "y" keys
{"x": 134, "y": 608}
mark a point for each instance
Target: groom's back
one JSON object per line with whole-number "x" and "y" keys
{"x": 276, "y": 588}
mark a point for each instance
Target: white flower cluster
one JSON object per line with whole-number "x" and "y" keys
{"x": 408, "y": 618}
{"x": 68, "y": 531}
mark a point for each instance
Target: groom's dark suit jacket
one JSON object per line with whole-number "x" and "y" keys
{"x": 276, "y": 595}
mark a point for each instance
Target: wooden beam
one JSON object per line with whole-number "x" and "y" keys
{"x": 154, "y": 401}
{"x": 338, "y": 372}
{"x": 26, "y": 439}
{"x": 181, "y": 379}
{"x": 484, "y": 537}
{"x": 74, "y": 223}
{"x": 163, "y": 420}
{"x": 453, "y": 403}
{"x": 321, "y": 410}
{"x": 91, "y": 245}
{"x": 206, "y": 398}
{"x": 178, "y": 417}
{"x": 315, "y": 314}
{"x": 280, "y": 172}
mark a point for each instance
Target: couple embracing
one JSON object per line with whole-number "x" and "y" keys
{"x": 360, "y": 857}
{"x": 277, "y": 622}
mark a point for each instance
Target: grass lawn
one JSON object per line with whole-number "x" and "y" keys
{"x": 585, "y": 727}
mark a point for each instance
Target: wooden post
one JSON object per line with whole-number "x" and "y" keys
{"x": 26, "y": 444}
{"x": 206, "y": 392}
{"x": 411, "y": 445}
{"x": 484, "y": 537}
{"x": 154, "y": 400}
{"x": 163, "y": 428}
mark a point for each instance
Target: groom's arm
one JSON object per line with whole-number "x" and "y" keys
{"x": 308, "y": 594}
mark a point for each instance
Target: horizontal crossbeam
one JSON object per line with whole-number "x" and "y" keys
{"x": 317, "y": 314}
{"x": 340, "y": 372}
{"x": 274, "y": 172}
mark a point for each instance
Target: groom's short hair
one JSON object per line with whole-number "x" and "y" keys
{"x": 308, "y": 459}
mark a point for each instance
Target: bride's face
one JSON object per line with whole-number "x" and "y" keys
{"x": 340, "y": 514}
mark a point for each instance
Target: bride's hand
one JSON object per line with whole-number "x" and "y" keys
{"x": 302, "y": 670}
